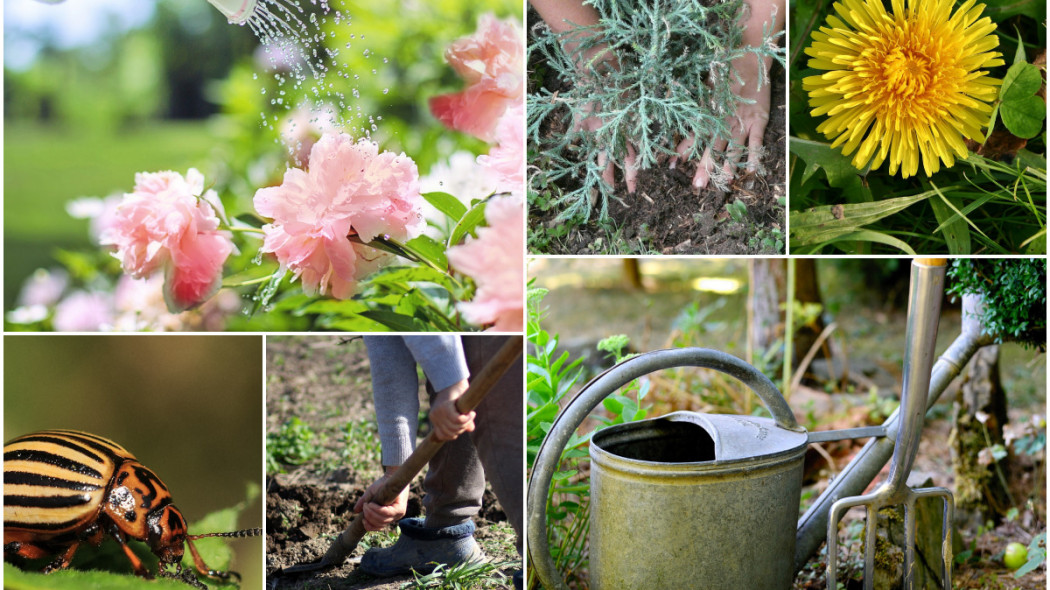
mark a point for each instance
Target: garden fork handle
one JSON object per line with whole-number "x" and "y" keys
{"x": 485, "y": 380}
{"x": 924, "y": 310}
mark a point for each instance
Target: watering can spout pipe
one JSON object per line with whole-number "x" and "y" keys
{"x": 866, "y": 464}
{"x": 237, "y": 11}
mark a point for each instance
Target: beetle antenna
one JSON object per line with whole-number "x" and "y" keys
{"x": 238, "y": 534}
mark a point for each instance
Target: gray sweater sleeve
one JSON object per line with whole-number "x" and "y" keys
{"x": 395, "y": 386}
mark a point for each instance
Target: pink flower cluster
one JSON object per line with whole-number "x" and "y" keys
{"x": 490, "y": 61}
{"x": 495, "y": 260}
{"x": 169, "y": 223}
{"x": 350, "y": 189}
{"x": 506, "y": 161}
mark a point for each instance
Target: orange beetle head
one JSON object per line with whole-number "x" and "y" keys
{"x": 167, "y": 533}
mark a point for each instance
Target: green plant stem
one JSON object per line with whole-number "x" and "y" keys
{"x": 245, "y": 230}
{"x": 788, "y": 330}
{"x": 402, "y": 250}
{"x": 255, "y": 281}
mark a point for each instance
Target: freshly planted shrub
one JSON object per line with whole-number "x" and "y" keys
{"x": 673, "y": 79}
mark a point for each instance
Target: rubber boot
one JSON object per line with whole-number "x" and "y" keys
{"x": 422, "y": 549}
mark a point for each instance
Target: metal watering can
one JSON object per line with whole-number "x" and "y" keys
{"x": 695, "y": 500}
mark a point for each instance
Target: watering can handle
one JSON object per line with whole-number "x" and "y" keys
{"x": 597, "y": 390}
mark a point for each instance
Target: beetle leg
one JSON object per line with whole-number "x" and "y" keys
{"x": 63, "y": 560}
{"x": 26, "y": 550}
{"x": 183, "y": 576}
{"x": 204, "y": 570}
{"x": 136, "y": 563}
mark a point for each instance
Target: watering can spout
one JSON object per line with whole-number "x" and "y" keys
{"x": 237, "y": 11}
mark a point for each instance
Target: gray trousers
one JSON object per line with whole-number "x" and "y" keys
{"x": 455, "y": 480}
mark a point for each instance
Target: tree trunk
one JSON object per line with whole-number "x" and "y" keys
{"x": 980, "y": 414}
{"x": 633, "y": 273}
{"x": 807, "y": 290}
{"x": 768, "y": 290}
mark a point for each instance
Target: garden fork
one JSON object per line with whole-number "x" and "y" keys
{"x": 924, "y": 305}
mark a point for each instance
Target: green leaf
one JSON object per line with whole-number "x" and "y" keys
{"x": 1036, "y": 244}
{"x": 817, "y": 155}
{"x": 1001, "y": 10}
{"x": 817, "y": 225}
{"x": 251, "y": 220}
{"x": 428, "y": 249}
{"x": 1021, "y": 110}
{"x": 1023, "y": 117}
{"x": 447, "y": 204}
{"x": 215, "y": 552}
{"x": 468, "y": 224}
{"x": 395, "y": 321}
{"x": 1021, "y": 81}
{"x": 952, "y": 226}
{"x": 71, "y": 579}
{"x": 414, "y": 274}
{"x": 872, "y": 236}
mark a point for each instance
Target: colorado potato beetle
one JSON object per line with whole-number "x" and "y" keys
{"x": 65, "y": 487}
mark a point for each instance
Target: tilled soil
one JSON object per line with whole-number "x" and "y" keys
{"x": 325, "y": 382}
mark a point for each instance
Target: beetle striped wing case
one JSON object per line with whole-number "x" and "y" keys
{"x": 55, "y": 480}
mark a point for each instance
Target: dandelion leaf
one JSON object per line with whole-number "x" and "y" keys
{"x": 819, "y": 225}
{"x": 839, "y": 169}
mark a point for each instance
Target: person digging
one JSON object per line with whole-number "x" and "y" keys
{"x": 455, "y": 479}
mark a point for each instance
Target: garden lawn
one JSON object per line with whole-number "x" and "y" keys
{"x": 46, "y": 167}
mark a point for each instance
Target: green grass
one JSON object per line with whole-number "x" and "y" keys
{"x": 46, "y": 167}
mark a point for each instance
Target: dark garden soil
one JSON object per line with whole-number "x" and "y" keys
{"x": 325, "y": 383}
{"x": 668, "y": 216}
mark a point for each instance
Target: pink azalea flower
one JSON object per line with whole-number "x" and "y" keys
{"x": 491, "y": 62}
{"x": 495, "y": 260}
{"x": 167, "y": 224}
{"x": 350, "y": 189}
{"x": 506, "y": 161}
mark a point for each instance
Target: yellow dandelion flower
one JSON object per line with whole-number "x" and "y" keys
{"x": 903, "y": 85}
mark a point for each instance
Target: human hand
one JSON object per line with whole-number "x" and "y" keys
{"x": 378, "y": 517}
{"x": 592, "y": 122}
{"x": 745, "y": 130}
{"x": 445, "y": 419}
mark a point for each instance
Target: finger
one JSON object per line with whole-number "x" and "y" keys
{"x": 630, "y": 168}
{"x": 363, "y": 500}
{"x": 719, "y": 146}
{"x": 468, "y": 425}
{"x": 683, "y": 148}
{"x": 609, "y": 174}
{"x": 704, "y": 170}
{"x": 754, "y": 146}
{"x": 373, "y": 521}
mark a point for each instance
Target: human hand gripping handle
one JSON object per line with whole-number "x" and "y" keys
{"x": 395, "y": 482}
{"x": 447, "y": 423}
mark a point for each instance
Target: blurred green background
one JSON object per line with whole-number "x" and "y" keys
{"x": 97, "y": 90}
{"x": 188, "y": 407}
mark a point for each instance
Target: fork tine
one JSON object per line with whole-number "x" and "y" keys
{"x": 833, "y": 545}
{"x": 909, "y": 542}
{"x": 871, "y": 527}
{"x": 946, "y": 540}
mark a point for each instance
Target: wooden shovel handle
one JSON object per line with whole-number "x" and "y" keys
{"x": 425, "y": 451}
{"x": 490, "y": 374}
